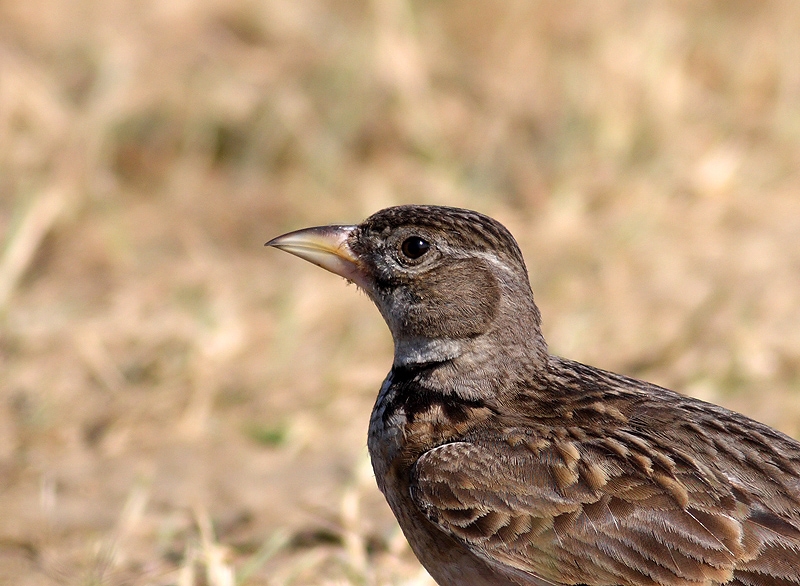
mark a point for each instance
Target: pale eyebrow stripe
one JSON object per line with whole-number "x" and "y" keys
{"x": 482, "y": 254}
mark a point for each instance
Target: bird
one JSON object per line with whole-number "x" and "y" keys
{"x": 506, "y": 465}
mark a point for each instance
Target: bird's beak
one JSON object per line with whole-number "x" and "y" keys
{"x": 326, "y": 247}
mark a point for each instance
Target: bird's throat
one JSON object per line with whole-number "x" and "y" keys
{"x": 417, "y": 351}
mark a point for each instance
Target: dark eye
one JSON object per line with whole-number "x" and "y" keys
{"x": 414, "y": 247}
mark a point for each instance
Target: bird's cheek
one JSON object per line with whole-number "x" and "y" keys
{"x": 436, "y": 313}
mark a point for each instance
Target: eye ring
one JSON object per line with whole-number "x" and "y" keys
{"x": 414, "y": 247}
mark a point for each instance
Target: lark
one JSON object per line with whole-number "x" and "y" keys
{"x": 506, "y": 465}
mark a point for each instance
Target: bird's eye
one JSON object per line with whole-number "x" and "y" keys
{"x": 414, "y": 247}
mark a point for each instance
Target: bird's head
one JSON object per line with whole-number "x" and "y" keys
{"x": 447, "y": 281}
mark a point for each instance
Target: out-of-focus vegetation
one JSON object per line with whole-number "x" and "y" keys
{"x": 179, "y": 405}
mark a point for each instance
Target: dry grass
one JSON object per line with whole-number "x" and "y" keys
{"x": 180, "y": 406}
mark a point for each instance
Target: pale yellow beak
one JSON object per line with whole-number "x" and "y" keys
{"x": 326, "y": 247}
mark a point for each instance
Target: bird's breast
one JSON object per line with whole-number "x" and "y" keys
{"x": 385, "y": 437}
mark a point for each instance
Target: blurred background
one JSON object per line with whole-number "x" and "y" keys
{"x": 179, "y": 405}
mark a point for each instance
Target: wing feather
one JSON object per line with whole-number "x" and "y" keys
{"x": 584, "y": 514}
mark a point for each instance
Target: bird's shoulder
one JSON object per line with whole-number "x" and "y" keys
{"x": 600, "y": 477}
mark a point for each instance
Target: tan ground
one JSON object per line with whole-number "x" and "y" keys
{"x": 178, "y": 403}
